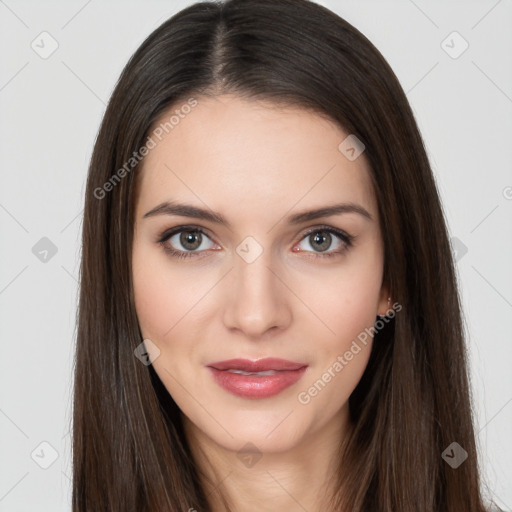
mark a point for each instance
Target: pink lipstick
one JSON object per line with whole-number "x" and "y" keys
{"x": 256, "y": 379}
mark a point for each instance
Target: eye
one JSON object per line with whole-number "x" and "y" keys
{"x": 184, "y": 242}
{"x": 321, "y": 239}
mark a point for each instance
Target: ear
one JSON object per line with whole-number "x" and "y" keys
{"x": 384, "y": 305}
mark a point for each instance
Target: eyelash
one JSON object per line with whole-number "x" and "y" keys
{"x": 347, "y": 240}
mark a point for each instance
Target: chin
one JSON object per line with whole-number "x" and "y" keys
{"x": 266, "y": 430}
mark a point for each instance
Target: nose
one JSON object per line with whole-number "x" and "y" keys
{"x": 256, "y": 298}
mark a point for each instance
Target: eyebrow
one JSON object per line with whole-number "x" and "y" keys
{"x": 186, "y": 210}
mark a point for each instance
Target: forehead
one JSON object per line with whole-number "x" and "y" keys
{"x": 228, "y": 151}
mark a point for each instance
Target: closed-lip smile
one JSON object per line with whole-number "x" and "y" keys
{"x": 256, "y": 379}
{"x": 260, "y": 365}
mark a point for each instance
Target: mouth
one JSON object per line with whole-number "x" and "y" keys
{"x": 261, "y": 365}
{"x": 256, "y": 379}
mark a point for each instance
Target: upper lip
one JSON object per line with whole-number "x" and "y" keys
{"x": 261, "y": 365}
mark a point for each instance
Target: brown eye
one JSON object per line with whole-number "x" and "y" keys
{"x": 190, "y": 240}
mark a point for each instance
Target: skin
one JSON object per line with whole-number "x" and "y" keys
{"x": 256, "y": 164}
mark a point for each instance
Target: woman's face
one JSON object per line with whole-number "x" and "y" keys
{"x": 264, "y": 282}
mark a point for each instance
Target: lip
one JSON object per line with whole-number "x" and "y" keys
{"x": 286, "y": 374}
{"x": 261, "y": 365}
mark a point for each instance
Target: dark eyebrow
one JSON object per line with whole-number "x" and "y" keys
{"x": 186, "y": 210}
{"x": 327, "y": 211}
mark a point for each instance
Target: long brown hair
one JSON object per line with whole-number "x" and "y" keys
{"x": 413, "y": 401}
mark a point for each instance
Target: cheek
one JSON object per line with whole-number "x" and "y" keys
{"x": 356, "y": 306}
{"x": 346, "y": 299}
{"x": 151, "y": 297}
{"x": 169, "y": 298}
{"x": 348, "y": 308}
{"x": 160, "y": 295}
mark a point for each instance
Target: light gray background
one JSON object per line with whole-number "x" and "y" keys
{"x": 50, "y": 113}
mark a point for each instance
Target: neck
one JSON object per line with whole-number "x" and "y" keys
{"x": 298, "y": 479}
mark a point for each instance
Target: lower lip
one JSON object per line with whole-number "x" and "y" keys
{"x": 254, "y": 386}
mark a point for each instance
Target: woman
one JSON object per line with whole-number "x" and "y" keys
{"x": 269, "y": 316}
